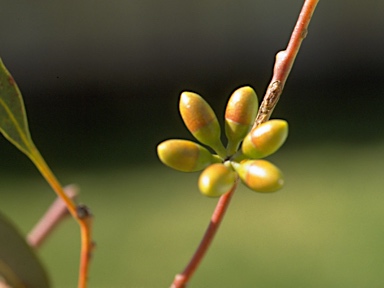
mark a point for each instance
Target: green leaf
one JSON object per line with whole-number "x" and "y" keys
{"x": 19, "y": 265}
{"x": 13, "y": 119}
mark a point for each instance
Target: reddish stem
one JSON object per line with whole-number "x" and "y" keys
{"x": 283, "y": 64}
{"x": 181, "y": 280}
{"x": 54, "y": 215}
{"x": 286, "y": 58}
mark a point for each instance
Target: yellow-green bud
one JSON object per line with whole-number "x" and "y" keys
{"x": 216, "y": 180}
{"x": 239, "y": 116}
{"x": 201, "y": 121}
{"x": 184, "y": 155}
{"x": 259, "y": 175}
{"x": 265, "y": 139}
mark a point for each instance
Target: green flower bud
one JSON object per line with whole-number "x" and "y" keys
{"x": 239, "y": 116}
{"x": 259, "y": 175}
{"x": 265, "y": 139}
{"x": 201, "y": 121}
{"x": 216, "y": 180}
{"x": 185, "y": 155}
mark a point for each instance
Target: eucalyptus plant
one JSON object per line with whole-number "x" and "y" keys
{"x": 222, "y": 169}
{"x": 247, "y": 141}
{"x": 251, "y": 136}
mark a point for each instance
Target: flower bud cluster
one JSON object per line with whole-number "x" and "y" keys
{"x": 241, "y": 158}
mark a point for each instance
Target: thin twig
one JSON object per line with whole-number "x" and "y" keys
{"x": 283, "y": 64}
{"x": 54, "y": 215}
{"x": 182, "y": 279}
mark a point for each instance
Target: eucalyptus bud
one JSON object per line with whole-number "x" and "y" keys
{"x": 259, "y": 175}
{"x": 201, "y": 121}
{"x": 265, "y": 139}
{"x": 216, "y": 180}
{"x": 185, "y": 155}
{"x": 240, "y": 114}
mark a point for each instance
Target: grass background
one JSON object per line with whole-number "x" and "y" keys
{"x": 324, "y": 229}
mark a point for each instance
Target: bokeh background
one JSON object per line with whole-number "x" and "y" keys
{"x": 101, "y": 81}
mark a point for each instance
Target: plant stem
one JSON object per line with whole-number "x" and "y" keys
{"x": 80, "y": 213}
{"x": 181, "y": 280}
{"x": 283, "y": 64}
{"x": 54, "y": 215}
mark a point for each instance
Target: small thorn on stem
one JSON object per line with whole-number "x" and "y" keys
{"x": 83, "y": 211}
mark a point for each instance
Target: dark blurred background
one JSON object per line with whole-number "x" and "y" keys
{"x": 101, "y": 82}
{"x": 101, "y": 79}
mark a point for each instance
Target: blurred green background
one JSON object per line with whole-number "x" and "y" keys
{"x": 101, "y": 82}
